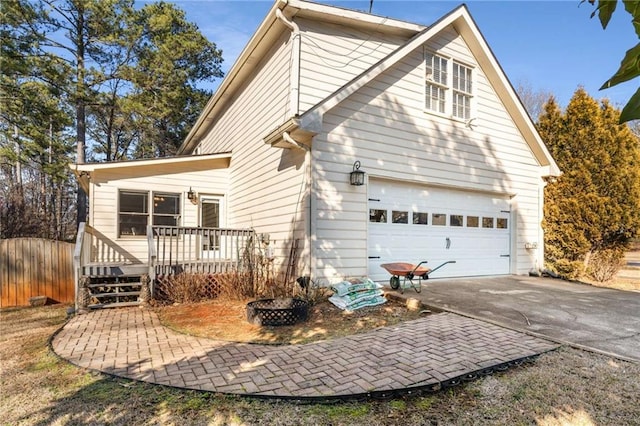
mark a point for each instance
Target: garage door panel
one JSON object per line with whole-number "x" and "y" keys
{"x": 475, "y": 231}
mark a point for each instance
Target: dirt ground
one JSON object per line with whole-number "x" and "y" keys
{"x": 227, "y": 320}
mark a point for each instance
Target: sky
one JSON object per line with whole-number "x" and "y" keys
{"x": 551, "y": 46}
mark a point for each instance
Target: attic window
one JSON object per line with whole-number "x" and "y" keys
{"x": 461, "y": 91}
{"x": 436, "y": 82}
{"x": 448, "y": 86}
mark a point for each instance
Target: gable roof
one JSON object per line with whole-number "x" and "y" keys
{"x": 261, "y": 41}
{"x": 310, "y": 122}
{"x": 463, "y": 23}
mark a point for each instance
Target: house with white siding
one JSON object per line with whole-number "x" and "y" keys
{"x": 454, "y": 168}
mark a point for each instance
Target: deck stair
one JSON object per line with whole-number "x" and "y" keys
{"x": 112, "y": 286}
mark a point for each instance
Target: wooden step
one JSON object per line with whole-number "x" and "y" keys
{"x": 113, "y": 305}
{"x": 114, "y": 270}
{"x": 121, "y": 294}
{"x": 114, "y": 285}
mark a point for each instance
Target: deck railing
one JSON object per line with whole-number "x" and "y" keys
{"x": 197, "y": 250}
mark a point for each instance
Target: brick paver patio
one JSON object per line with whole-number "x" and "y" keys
{"x": 132, "y": 343}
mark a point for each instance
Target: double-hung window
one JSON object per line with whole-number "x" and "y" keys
{"x": 461, "y": 91}
{"x": 133, "y": 215}
{"x": 448, "y": 85}
{"x": 436, "y": 82}
{"x": 166, "y": 209}
{"x": 136, "y": 209}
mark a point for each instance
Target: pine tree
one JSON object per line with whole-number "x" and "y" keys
{"x": 124, "y": 78}
{"x": 593, "y": 209}
{"x": 34, "y": 149}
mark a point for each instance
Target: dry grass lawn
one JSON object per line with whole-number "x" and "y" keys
{"x": 226, "y": 320}
{"x": 565, "y": 387}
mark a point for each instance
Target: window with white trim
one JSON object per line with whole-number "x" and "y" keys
{"x": 136, "y": 209}
{"x": 436, "y": 82}
{"x": 166, "y": 209}
{"x": 133, "y": 215}
{"x": 461, "y": 91}
{"x": 448, "y": 86}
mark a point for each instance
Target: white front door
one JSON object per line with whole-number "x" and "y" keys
{"x": 211, "y": 216}
{"x": 413, "y": 223}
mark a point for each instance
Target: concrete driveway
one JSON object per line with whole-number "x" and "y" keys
{"x": 600, "y": 319}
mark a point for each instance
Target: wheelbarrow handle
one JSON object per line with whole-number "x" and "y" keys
{"x": 440, "y": 266}
{"x": 417, "y": 266}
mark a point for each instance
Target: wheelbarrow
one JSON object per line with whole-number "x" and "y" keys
{"x": 409, "y": 271}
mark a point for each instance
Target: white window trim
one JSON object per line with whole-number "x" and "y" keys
{"x": 119, "y": 234}
{"x": 469, "y": 94}
{"x": 150, "y": 212}
{"x": 449, "y": 90}
{"x": 446, "y": 87}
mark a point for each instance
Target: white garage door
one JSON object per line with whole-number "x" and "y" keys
{"x": 412, "y": 223}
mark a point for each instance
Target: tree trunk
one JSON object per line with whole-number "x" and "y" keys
{"x": 80, "y": 112}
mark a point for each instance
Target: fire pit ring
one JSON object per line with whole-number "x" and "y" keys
{"x": 275, "y": 312}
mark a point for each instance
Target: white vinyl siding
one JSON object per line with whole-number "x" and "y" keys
{"x": 332, "y": 55}
{"x": 269, "y": 185}
{"x": 384, "y": 127}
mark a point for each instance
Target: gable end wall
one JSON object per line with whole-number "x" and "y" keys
{"x": 385, "y": 127}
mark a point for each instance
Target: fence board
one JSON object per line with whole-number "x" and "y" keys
{"x": 35, "y": 267}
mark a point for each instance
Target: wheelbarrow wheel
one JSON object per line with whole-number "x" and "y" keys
{"x": 394, "y": 282}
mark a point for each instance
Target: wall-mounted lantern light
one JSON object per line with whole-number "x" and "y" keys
{"x": 191, "y": 195}
{"x": 356, "y": 177}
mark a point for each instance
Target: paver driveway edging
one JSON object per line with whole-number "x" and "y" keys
{"x": 412, "y": 356}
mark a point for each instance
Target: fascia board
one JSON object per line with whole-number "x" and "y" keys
{"x": 223, "y": 158}
{"x": 343, "y": 15}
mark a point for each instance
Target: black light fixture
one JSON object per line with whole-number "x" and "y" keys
{"x": 356, "y": 177}
{"x": 191, "y": 195}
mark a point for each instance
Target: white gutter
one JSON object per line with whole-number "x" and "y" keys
{"x": 294, "y": 75}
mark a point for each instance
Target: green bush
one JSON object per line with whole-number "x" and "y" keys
{"x": 568, "y": 269}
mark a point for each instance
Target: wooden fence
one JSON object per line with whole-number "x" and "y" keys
{"x": 35, "y": 267}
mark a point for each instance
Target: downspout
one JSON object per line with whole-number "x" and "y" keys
{"x": 294, "y": 111}
{"x": 294, "y": 75}
{"x": 307, "y": 159}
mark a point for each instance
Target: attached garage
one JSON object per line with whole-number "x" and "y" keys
{"x": 412, "y": 223}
